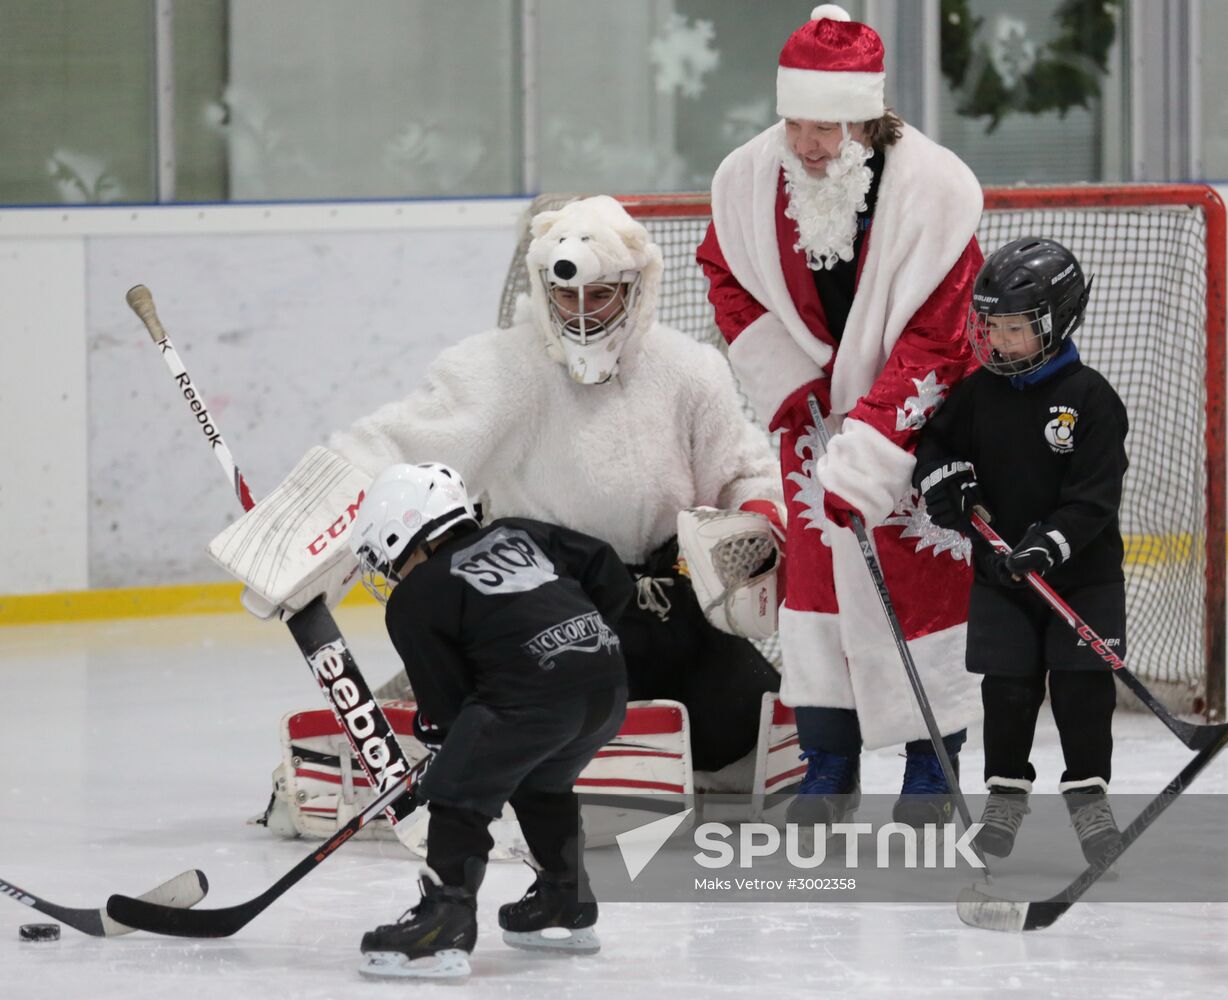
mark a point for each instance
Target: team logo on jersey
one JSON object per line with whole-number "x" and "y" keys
{"x": 1059, "y": 431}
{"x": 585, "y": 633}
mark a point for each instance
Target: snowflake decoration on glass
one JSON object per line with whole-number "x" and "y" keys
{"x": 929, "y": 395}
{"x": 911, "y": 515}
{"x": 683, "y": 55}
{"x": 1011, "y": 51}
{"x": 809, "y": 490}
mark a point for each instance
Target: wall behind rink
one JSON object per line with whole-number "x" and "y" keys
{"x": 292, "y": 320}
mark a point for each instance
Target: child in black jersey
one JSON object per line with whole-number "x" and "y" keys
{"x": 1039, "y": 439}
{"x": 506, "y": 632}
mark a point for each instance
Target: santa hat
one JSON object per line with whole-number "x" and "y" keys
{"x": 831, "y": 70}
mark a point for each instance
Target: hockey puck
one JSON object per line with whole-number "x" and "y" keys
{"x": 40, "y": 932}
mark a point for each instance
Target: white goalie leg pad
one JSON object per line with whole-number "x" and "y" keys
{"x": 319, "y": 786}
{"x": 778, "y": 768}
{"x": 731, "y": 559}
{"x": 292, "y": 547}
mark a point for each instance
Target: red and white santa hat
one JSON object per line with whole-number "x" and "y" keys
{"x": 831, "y": 70}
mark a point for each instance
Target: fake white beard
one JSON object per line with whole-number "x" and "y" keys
{"x": 825, "y": 208}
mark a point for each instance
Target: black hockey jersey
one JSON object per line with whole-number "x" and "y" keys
{"x": 1052, "y": 452}
{"x": 516, "y": 613}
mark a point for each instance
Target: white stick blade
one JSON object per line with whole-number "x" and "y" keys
{"x": 978, "y": 910}
{"x": 184, "y": 890}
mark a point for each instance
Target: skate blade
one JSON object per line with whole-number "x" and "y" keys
{"x": 451, "y": 966}
{"x": 578, "y": 942}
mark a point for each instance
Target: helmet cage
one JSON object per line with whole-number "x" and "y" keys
{"x": 582, "y": 327}
{"x": 1039, "y": 320}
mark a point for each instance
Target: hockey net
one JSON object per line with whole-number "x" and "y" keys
{"x": 1155, "y": 329}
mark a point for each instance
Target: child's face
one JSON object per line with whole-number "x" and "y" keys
{"x": 1013, "y": 336}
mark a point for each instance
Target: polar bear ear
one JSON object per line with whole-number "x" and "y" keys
{"x": 542, "y": 222}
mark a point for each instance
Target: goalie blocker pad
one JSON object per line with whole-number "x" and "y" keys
{"x": 642, "y": 774}
{"x": 292, "y": 546}
{"x": 731, "y": 558}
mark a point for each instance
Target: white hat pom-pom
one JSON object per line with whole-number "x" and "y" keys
{"x": 830, "y": 11}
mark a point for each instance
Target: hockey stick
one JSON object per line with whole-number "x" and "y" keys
{"x": 979, "y": 910}
{"x": 901, "y": 644}
{"x": 313, "y": 628}
{"x": 186, "y": 889}
{"x": 149, "y": 915}
{"x": 1196, "y": 737}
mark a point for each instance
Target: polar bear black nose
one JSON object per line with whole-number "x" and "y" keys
{"x": 564, "y": 269}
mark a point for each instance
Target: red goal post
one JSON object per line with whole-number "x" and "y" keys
{"x": 1155, "y": 329}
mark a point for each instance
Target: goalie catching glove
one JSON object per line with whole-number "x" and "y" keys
{"x": 731, "y": 558}
{"x": 291, "y": 547}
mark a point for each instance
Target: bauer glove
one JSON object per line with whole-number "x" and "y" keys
{"x": 951, "y": 491}
{"x": 1041, "y": 548}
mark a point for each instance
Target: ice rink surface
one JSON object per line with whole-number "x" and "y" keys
{"x": 133, "y": 750}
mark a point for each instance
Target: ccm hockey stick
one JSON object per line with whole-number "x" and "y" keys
{"x": 149, "y": 915}
{"x": 901, "y": 644}
{"x": 979, "y": 910}
{"x": 1196, "y": 737}
{"x": 187, "y": 889}
{"x": 314, "y": 630}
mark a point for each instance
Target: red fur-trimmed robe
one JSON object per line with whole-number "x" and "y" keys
{"x": 903, "y": 346}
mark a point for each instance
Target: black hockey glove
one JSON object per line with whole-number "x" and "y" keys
{"x": 427, "y": 733}
{"x": 1041, "y": 548}
{"x": 951, "y": 491}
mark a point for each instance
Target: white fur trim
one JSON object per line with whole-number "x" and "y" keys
{"x": 873, "y": 681}
{"x": 770, "y": 365}
{"x": 829, "y": 12}
{"x": 929, "y": 204}
{"x": 866, "y": 469}
{"x": 1084, "y": 785}
{"x": 829, "y": 95}
{"x": 1020, "y": 783}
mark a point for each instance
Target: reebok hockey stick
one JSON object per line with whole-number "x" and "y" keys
{"x": 186, "y": 889}
{"x": 1196, "y": 737}
{"x": 901, "y": 644}
{"x": 313, "y": 628}
{"x": 979, "y": 910}
{"x": 149, "y": 915}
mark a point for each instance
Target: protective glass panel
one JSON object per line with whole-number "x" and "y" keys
{"x": 387, "y": 98}
{"x": 1034, "y": 90}
{"x": 1213, "y": 31}
{"x": 649, "y": 95}
{"x": 75, "y": 93}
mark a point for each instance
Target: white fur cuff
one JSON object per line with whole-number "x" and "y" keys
{"x": 770, "y": 365}
{"x": 866, "y": 469}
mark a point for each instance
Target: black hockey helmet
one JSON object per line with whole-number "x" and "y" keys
{"x": 1036, "y": 280}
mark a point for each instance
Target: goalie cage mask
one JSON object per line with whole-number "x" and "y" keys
{"x": 731, "y": 559}
{"x": 405, "y": 507}
{"x": 1039, "y": 281}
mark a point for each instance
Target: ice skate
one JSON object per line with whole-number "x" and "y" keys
{"x": 925, "y": 798}
{"x": 432, "y": 940}
{"x": 1004, "y": 811}
{"x": 551, "y": 903}
{"x": 830, "y": 790}
{"x": 1092, "y": 818}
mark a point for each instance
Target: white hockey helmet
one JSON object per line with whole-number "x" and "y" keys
{"x": 404, "y": 507}
{"x": 594, "y": 278}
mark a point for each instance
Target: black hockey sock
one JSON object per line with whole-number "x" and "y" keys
{"x": 550, "y": 822}
{"x": 952, "y": 741}
{"x": 454, "y": 837}
{"x": 832, "y": 730}
{"x": 1083, "y": 703}
{"x": 1011, "y": 707}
